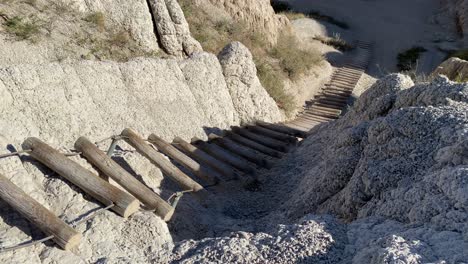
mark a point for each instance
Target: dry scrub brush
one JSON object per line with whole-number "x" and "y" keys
{"x": 275, "y": 64}
{"x": 78, "y": 34}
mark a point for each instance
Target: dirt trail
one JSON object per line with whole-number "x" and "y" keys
{"x": 393, "y": 26}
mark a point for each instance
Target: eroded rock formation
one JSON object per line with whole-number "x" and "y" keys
{"x": 258, "y": 16}
{"x": 58, "y": 102}
{"x": 393, "y": 169}
{"x": 250, "y": 99}
{"x": 454, "y": 68}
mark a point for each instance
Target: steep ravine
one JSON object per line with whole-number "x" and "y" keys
{"x": 384, "y": 183}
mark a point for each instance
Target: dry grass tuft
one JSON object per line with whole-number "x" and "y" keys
{"x": 275, "y": 65}
{"x": 98, "y": 19}
{"x": 293, "y": 60}
{"x": 21, "y": 28}
{"x": 273, "y": 81}
{"x": 335, "y": 41}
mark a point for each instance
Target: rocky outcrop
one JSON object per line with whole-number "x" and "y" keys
{"x": 258, "y": 16}
{"x": 151, "y": 95}
{"x": 250, "y": 99}
{"x": 454, "y": 68}
{"x": 172, "y": 28}
{"x": 407, "y": 152}
{"x": 133, "y": 17}
{"x": 113, "y": 30}
{"x": 58, "y": 102}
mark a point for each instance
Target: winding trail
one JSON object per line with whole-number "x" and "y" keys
{"x": 392, "y": 25}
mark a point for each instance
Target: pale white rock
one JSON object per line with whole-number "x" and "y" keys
{"x": 59, "y": 102}
{"x": 132, "y": 16}
{"x": 173, "y": 29}
{"x": 250, "y": 99}
{"x": 189, "y": 44}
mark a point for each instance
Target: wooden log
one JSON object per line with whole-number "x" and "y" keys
{"x": 303, "y": 123}
{"x": 222, "y": 154}
{"x": 160, "y": 161}
{"x": 300, "y": 128}
{"x": 199, "y": 155}
{"x": 269, "y": 142}
{"x": 65, "y": 236}
{"x": 315, "y": 118}
{"x": 254, "y": 145}
{"x": 201, "y": 171}
{"x": 272, "y": 134}
{"x": 321, "y": 114}
{"x": 124, "y": 204}
{"x": 282, "y": 129}
{"x": 240, "y": 150}
{"x": 111, "y": 169}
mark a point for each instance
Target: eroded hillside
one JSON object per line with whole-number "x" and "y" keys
{"x": 384, "y": 183}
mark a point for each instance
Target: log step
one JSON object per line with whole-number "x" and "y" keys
{"x": 282, "y": 129}
{"x": 254, "y": 145}
{"x": 199, "y": 155}
{"x": 111, "y": 169}
{"x": 240, "y": 150}
{"x": 272, "y": 134}
{"x": 219, "y": 153}
{"x": 196, "y": 168}
{"x": 269, "y": 142}
{"x": 65, "y": 236}
{"x": 169, "y": 169}
{"x": 104, "y": 192}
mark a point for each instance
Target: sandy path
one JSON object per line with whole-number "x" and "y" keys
{"x": 393, "y": 25}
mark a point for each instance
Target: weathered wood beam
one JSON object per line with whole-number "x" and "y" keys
{"x": 65, "y": 236}
{"x": 111, "y": 169}
{"x": 240, "y": 150}
{"x": 203, "y": 157}
{"x": 160, "y": 161}
{"x": 124, "y": 204}
{"x": 254, "y": 145}
{"x": 272, "y": 134}
{"x": 269, "y": 142}
{"x": 224, "y": 155}
{"x": 283, "y": 129}
{"x": 203, "y": 172}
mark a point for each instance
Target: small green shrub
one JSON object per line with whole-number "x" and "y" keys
{"x": 21, "y": 28}
{"x": 319, "y": 16}
{"x": 98, "y": 19}
{"x": 407, "y": 60}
